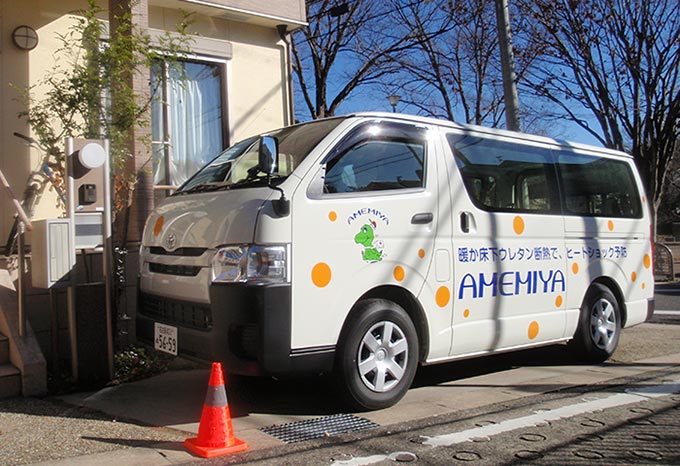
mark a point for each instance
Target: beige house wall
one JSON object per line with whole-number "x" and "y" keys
{"x": 255, "y": 80}
{"x": 20, "y": 69}
{"x": 253, "y": 54}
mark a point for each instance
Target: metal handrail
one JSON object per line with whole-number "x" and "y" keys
{"x": 658, "y": 247}
{"x": 17, "y": 205}
{"x": 24, "y": 225}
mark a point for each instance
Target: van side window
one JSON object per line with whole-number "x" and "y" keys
{"x": 377, "y": 157}
{"x": 506, "y": 177}
{"x": 598, "y": 186}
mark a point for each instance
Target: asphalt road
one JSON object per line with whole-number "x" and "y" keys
{"x": 629, "y": 422}
{"x": 632, "y": 420}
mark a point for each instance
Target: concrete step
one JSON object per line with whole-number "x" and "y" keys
{"x": 10, "y": 381}
{"x": 4, "y": 349}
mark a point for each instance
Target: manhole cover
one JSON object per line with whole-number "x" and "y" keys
{"x": 642, "y": 422}
{"x": 533, "y": 437}
{"x": 405, "y": 457}
{"x": 319, "y": 427}
{"x": 529, "y": 455}
{"x": 641, "y": 411}
{"x": 646, "y": 437}
{"x": 592, "y": 423}
{"x": 646, "y": 454}
{"x": 589, "y": 454}
{"x": 484, "y": 423}
{"x": 467, "y": 456}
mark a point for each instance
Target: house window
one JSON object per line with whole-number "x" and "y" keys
{"x": 187, "y": 119}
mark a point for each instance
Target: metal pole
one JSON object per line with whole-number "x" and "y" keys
{"x": 70, "y": 292}
{"x": 507, "y": 66}
{"x": 107, "y": 259}
{"x": 21, "y": 280}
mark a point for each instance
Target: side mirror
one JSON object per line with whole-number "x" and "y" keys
{"x": 268, "y": 155}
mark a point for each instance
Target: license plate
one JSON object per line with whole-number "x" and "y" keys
{"x": 165, "y": 338}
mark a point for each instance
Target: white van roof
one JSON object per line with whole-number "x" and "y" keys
{"x": 490, "y": 131}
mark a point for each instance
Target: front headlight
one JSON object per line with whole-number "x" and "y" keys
{"x": 263, "y": 264}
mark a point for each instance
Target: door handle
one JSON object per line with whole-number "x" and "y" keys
{"x": 467, "y": 223}
{"x": 422, "y": 218}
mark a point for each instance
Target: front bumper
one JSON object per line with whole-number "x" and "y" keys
{"x": 246, "y": 328}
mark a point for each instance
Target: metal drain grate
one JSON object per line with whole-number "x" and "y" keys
{"x": 319, "y": 427}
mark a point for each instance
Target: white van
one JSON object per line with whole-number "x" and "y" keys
{"x": 368, "y": 244}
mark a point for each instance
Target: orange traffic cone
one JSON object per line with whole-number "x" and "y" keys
{"x": 215, "y": 433}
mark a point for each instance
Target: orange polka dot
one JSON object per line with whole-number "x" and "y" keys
{"x": 158, "y": 226}
{"x": 633, "y": 276}
{"x": 466, "y": 313}
{"x": 421, "y": 253}
{"x": 398, "y": 273}
{"x": 610, "y": 225}
{"x": 644, "y": 199}
{"x": 574, "y": 268}
{"x": 647, "y": 261}
{"x": 533, "y": 330}
{"x": 332, "y": 216}
{"x": 644, "y": 286}
{"x": 558, "y": 301}
{"x": 443, "y": 296}
{"x": 321, "y": 274}
{"x": 518, "y": 225}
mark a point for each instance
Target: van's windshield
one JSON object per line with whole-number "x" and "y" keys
{"x": 237, "y": 167}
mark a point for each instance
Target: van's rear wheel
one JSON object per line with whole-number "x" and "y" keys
{"x": 599, "y": 325}
{"x": 377, "y": 355}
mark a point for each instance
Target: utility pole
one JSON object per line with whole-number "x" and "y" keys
{"x": 507, "y": 66}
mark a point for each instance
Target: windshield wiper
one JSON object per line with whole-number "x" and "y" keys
{"x": 205, "y": 187}
{"x": 258, "y": 181}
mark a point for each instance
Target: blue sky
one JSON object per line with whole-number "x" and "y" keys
{"x": 366, "y": 100}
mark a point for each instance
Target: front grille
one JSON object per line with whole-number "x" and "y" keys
{"x": 182, "y": 313}
{"x": 186, "y": 252}
{"x": 181, "y": 270}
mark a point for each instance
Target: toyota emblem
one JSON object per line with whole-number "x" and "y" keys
{"x": 171, "y": 240}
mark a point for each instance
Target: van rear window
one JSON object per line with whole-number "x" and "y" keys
{"x": 505, "y": 176}
{"x": 598, "y": 186}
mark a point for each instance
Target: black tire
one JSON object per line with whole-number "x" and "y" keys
{"x": 376, "y": 374}
{"x": 599, "y": 326}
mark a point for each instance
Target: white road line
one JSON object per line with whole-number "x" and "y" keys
{"x": 533, "y": 420}
{"x": 620, "y": 399}
{"x": 666, "y": 313}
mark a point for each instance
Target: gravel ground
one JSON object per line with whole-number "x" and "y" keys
{"x": 34, "y": 430}
{"x": 652, "y": 340}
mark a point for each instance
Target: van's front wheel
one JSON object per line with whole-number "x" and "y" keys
{"x": 599, "y": 326}
{"x": 377, "y": 355}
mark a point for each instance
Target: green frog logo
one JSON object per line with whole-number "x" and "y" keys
{"x": 373, "y": 250}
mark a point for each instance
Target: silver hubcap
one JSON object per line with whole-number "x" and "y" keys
{"x": 602, "y": 323}
{"x": 382, "y": 357}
